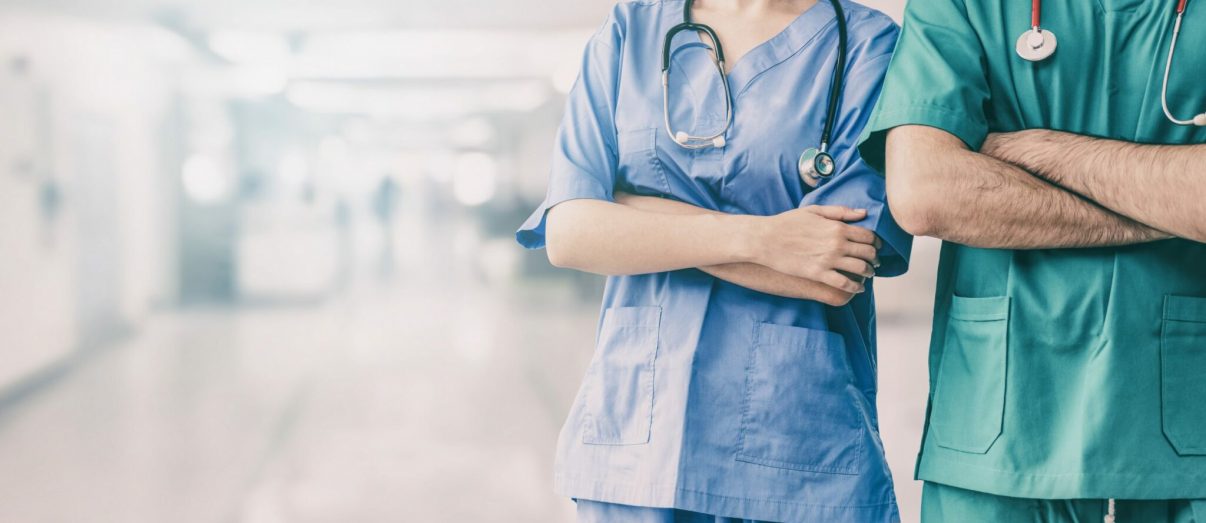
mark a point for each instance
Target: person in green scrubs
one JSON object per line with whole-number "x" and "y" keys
{"x": 1068, "y": 355}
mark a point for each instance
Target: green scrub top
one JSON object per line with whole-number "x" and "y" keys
{"x": 1060, "y": 373}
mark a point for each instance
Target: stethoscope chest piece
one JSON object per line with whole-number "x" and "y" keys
{"x": 1037, "y": 44}
{"x": 815, "y": 165}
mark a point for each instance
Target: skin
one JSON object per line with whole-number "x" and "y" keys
{"x": 1163, "y": 186}
{"x": 743, "y": 25}
{"x": 812, "y": 244}
{"x": 938, "y": 187}
{"x": 809, "y": 253}
{"x": 752, "y": 275}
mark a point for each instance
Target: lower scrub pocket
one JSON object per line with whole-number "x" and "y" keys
{"x": 618, "y": 396}
{"x": 1183, "y": 374}
{"x": 799, "y": 410}
{"x": 968, "y": 405}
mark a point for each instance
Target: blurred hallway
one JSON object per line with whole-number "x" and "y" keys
{"x": 258, "y": 264}
{"x": 361, "y": 409}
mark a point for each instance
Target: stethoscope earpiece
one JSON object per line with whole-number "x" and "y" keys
{"x": 718, "y": 140}
{"x": 1200, "y": 120}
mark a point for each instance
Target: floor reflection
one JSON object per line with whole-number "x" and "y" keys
{"x": 412, "y": 402}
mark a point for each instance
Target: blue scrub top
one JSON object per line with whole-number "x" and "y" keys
{"x": 703, "y": 395}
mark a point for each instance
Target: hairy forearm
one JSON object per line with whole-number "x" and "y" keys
{"x": 612, "y": 239}
{"x": 1162, "y": 186}
{"x": 749, "y": 275}
{"x": 937, "y": 187}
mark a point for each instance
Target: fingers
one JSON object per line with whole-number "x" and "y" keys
{"x": 856, "y": 267}
{"x": 836, "y": 280}
{"x": 837, "y": 212}
{"x": 859, "y": 234}
{"x": 861, "y": 251}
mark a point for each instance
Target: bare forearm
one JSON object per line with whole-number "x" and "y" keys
{"x": 612, "y": 239}
{"x": 766, "y": 280}
{"x": 937, "y": 187}
{"x": 1162, "y": 186}
{"x": 749, "y": 275}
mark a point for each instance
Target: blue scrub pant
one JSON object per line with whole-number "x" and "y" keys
{"x": 946, "y": 504}
{"x": 599, "y": 512}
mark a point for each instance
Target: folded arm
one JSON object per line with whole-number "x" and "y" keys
{"x": 1163, "y": 186}
{"x": 938, "y": 187}
{"x": 614, "y": 239}
{"x": 749, "y": 275}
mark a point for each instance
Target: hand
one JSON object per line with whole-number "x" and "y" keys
{"x": 815, "y": 243}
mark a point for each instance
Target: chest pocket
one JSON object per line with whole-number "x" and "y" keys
{"x": 641, "y": 170}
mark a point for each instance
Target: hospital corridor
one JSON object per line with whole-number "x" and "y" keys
{"x": 259, "y": 264}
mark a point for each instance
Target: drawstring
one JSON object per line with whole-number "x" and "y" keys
{"x": 1110, "y": 515}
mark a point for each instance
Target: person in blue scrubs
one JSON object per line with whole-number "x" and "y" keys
{"x": 735, "y": 369}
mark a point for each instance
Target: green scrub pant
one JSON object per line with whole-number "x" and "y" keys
{"x": 945, "y": 504}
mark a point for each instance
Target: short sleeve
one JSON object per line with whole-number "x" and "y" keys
{"x": 584, "y": 156}
{"x": 856, "y": 184}
{"x": 937, "y": 78}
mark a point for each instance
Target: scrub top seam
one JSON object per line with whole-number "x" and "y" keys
{"x": 791, "y": 503}
{"x": 806, "y": 45}
{"x": 1032, "y": 474}
{"x": 867, "y": 506}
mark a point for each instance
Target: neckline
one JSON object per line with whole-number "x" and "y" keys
{"x": 762, "y": 57}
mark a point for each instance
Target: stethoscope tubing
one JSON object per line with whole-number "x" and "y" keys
{"x": 703, "y": 142}
{"x": 1172, "y": 48}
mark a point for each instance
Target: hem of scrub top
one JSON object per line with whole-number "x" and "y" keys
{"x": 1059, "y": 486}
{"x": 726, "y": 506}
{"x": 897, "y": 262}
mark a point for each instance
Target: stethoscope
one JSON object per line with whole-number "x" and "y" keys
{"x": 815, "y": 163}
{"x": 1038, "y": 44}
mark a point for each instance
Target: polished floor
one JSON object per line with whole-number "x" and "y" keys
{"x": 402, "y": 402}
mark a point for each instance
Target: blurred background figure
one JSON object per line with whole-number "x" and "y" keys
{"x": 197, "y": 201}
{"x": 385, "y": 203}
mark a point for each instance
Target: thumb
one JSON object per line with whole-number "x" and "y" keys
{"x": 838, "y": 212}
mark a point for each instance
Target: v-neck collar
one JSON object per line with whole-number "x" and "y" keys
{"x": 799, "y": 33}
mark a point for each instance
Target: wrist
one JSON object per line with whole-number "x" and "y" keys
{"x": 745, "y": 235}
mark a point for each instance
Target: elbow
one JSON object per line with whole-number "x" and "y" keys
{"x": 559, "y": 243}
{"x": 558, "y": 252}
{"x": 913, "y": 204}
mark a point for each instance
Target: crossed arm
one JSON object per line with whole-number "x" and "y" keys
{"x": 805, "y": 253}
{"x": 938, "y": 187}
{"x": 1163, "y": 186}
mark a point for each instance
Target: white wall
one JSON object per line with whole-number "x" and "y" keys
{"x": 84, "y": 111}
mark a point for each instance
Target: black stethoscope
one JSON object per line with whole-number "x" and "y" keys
{"x": 1038, "y": 44}
{"x": 815, "y": 163}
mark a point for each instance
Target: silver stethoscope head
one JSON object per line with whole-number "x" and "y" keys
{"x": 1199, "y": 120}
{"x": 816, "y": 165}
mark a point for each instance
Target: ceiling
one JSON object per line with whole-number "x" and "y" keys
{"x": 340, "y": 15}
